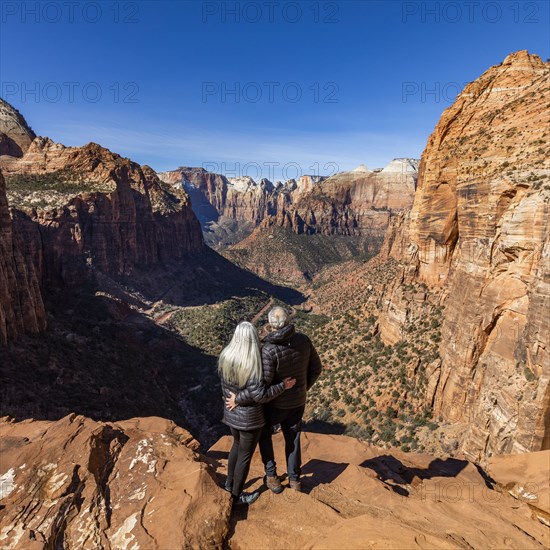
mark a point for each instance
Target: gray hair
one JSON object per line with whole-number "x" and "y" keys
{"x": 240, "y": 360}
{"x": 278, "y": 317}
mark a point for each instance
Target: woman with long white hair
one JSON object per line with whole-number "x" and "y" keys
{"x": 240, "y": 369}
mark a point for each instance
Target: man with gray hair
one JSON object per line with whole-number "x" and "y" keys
{"x": 285, "y": 353}
{"x": 277, "y": 317}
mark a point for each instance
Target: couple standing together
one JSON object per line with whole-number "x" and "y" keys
{"x": 262, "y": 387}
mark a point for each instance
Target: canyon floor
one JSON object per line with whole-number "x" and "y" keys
{"x": 169, "y": 323}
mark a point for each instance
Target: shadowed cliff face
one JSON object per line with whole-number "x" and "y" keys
{"x": 21, "y": 307}
{"x": 478, "y": 234}
{"x": 97, "y": 239}
{"x": 96, "y": 210}
{"x": 145, "y": 344}
{"x": 114, "y": 253}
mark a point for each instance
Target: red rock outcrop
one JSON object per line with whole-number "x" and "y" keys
{"x": 95, "y": 209}
{"x": 76, "y": 483}
{"x": 478, "y": 234}
{"x": 359, "y": 496}
{"x": 141, "y": 483}
{"x": 15, "y": 134}
{"x": 525, "y": 477}
{"x": 21, "y": 306}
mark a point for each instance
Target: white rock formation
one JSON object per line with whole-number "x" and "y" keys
{"x": 402, "y": 166}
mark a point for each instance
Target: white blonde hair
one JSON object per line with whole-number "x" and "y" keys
{"x": 278, "y": 317}
{"x": 241, "y": 360}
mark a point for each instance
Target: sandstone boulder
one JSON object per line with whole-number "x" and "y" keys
{"x": 80, "y": 484}
{"x": 525, "y": 477}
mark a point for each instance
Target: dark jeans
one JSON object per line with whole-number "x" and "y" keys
{"x": 291, "y": 426}
{"x": 244, "y": 444}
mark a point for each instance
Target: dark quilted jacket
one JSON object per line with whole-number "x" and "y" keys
{"x": 288, "y": 353}
{"x": 250, "y": 416}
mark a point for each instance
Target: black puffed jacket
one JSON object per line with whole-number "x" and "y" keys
{"x": 251, "y": 416}
{"x": 287, "y": 353}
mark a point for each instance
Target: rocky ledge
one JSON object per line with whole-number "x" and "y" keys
{"x": 76, "y": 483}
{"x": 142, "y": 484}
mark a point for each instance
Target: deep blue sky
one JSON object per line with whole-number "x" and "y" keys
{"x": 170, "y": 61}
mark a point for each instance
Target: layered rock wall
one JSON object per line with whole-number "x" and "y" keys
{"x": 21, "y": 306}
{"x": 95, "y": 209}
{"x": 478, "y": 233}
{"x": 349, "y": 203}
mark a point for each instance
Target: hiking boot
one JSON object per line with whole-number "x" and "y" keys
{"x": 246, "y": 499}
{"x": 296, "y": 485}
{"x": 228, "y": 486}
{"x": 274, "y": 483}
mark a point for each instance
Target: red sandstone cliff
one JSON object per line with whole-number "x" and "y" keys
{"x": 478, "y": 234}
{"x": 21, "y": 307}
{"x": 96, "y": 209}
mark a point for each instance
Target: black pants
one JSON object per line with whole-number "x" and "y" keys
{"x": 244, "y": 445}
{"x": 291, "y": 426}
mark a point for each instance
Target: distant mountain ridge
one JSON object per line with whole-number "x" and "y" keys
{"x": 359, "y": 202}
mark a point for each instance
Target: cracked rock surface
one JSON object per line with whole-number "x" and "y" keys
{"x": 77, "y": 483}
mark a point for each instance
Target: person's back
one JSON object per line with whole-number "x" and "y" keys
{"x": 287, "y": 353}
{"x": 244, "y": 418}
